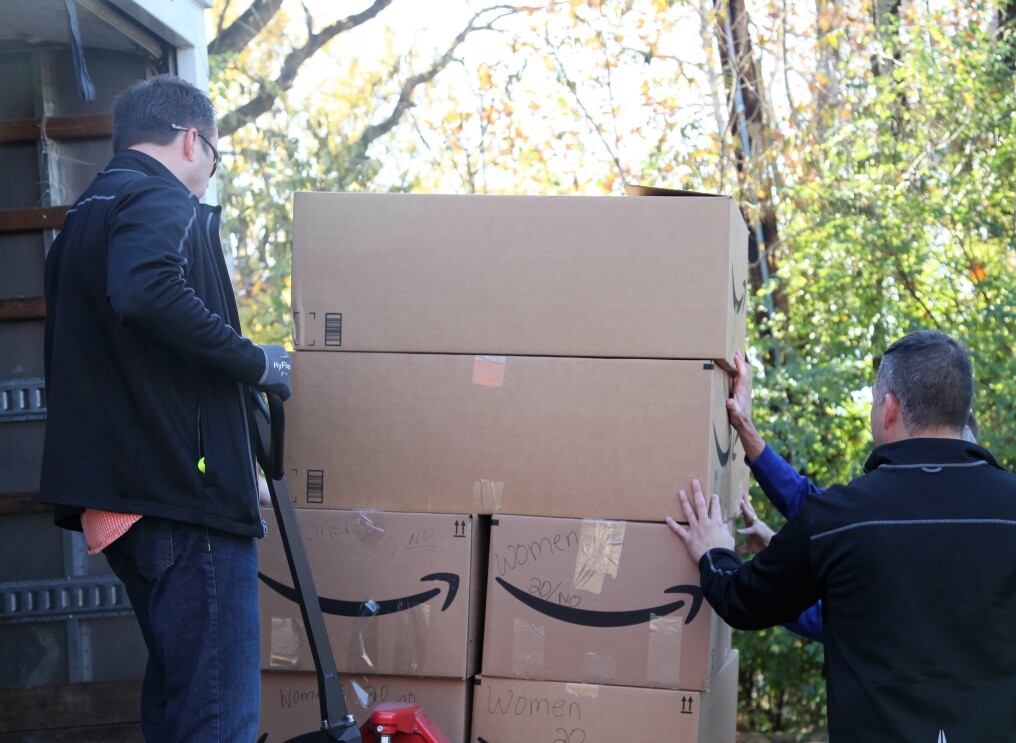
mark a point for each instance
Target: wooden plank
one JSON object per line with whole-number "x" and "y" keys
{"x": 22, "y": 309}
{"x": 19, "y": 503}
{"x": 33, "y": 218}
{"x": 57, "y": 127}
{"x": 65, "y": 706}
{"x": 19, "y": 130}
{"x": 97, "y": 734}
{"x": 132, "y": 30}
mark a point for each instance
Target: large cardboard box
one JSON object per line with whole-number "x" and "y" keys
{"x": 402, "y": 593}
{"x": 603, "y": 602}
{"x": 626, "y": 277}
{"x": 518, "y": 711}
{"x": 609, "y": 438}
{"x": 290, "y": 706}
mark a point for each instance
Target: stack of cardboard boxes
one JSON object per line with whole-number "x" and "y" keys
{"x": 496, "y": 399}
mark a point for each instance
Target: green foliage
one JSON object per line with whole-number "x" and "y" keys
{"x": 781, "y": 686}
{"x": 902, "y": 221}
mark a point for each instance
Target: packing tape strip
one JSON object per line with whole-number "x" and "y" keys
{"x": 488, "y": 371}
{"x": 599, "y": 553}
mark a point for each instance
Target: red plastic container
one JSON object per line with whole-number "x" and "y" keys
{"x": 401, "y": 722}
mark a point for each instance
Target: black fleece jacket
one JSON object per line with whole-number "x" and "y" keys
{"x": 146, "y": 370}
{"x": 915, "y": 562}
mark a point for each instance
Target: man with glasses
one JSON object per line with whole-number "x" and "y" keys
{"x": 149, "y": 448}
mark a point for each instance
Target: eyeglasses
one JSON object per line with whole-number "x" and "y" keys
{"x": 215, "y": 152}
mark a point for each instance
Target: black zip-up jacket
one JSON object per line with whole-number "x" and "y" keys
{"x": 146, "y": 371}
{"x": 915, "y": 562}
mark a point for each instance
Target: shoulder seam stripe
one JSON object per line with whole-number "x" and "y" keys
{"x": 915, "y": 522}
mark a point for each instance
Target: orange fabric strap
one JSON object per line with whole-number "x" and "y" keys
{"x": 102, "y": 528}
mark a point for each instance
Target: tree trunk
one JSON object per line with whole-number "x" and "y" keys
{"x": 1005, "y": 19}
{"x": 749, "y": 129}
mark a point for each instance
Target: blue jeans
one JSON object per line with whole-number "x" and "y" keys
{"x": 194, "y": 592}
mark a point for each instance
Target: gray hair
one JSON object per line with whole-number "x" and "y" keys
{"x": 931, "y": 377}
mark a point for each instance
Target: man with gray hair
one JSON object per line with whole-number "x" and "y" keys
{"x": 915, "y": 562}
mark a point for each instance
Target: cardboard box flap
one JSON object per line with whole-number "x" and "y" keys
{"x": 634, "y": 189}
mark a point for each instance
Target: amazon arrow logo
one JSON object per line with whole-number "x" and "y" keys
{"x": 588, "y": 618}
{"x": 342, "y": 608}
{"x": 738, "y": 303}
{"x": 723, "y": 454}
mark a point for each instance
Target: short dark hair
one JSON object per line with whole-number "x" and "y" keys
{"x": 146, "y": 111}
{"x": 931, "y": 377}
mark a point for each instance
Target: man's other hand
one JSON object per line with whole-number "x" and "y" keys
{"x": 759, "y": 533}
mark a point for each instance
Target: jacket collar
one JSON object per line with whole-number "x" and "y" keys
{"x": 146, "y": 164}
{"x": 930, "y": 452}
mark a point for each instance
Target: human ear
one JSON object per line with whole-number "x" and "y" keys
{"x": 891, "y": 413}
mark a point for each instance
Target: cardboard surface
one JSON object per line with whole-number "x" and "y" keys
{"x": 603, "y": 602}
{"x": 290, "y": 706}
{"x": 425, "y": 572}
{"x": 576, "y": 437}
{"x": 740, "y": 475}
{"x": 517, "y": 711}
{"x": 598, "y": 276}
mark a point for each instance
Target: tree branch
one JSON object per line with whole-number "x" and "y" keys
{"x": 268, "y": 93}
{"x": 243, "y": 30}
{"x": 405, "y": 99}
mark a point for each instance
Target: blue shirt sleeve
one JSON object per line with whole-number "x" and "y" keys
{"x": 784, "y": 486}
{"x": 787, "y": 489}
{"x": 809, "y": 624}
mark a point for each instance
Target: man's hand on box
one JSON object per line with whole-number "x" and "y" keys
{"x": 705, "y": 529}
{"x": 739, "y": 408}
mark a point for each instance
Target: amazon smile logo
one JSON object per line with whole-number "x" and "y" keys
{"x": 738, "y": 303}
{"x": 723, "y": 454}
{"x": 343, "y": 608}
{"x": 624, "y": 618}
